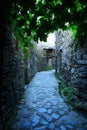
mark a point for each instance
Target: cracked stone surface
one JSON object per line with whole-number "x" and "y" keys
{"x": 43, "y": 108}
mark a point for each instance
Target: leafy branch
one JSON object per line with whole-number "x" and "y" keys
{"x": 35, "y": 19}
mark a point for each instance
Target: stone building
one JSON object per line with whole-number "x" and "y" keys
{"x": 50, "y": 57}
{"x": 45, "y": 55}
{"x": 71, "y": 64}
{"x": 63, "y": 54}
{"x": 12, "y": 76}
{"x": 45, "y": 58}
{"x": 79, "y": 71}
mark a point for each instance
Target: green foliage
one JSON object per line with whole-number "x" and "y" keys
{"x": 35, "y": 19}
{"x": 49, "y": 68}
{"x": 66, "y": 91}
{"x": 79, "y": 106}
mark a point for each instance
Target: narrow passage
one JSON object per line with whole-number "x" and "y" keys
{"x": 43, "y": 108}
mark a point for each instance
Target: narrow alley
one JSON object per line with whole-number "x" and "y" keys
{"x": 37, "y": 36}
{"x": 43, "y": 108}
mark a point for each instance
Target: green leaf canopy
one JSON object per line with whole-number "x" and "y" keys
{"x": 36, "y": 18}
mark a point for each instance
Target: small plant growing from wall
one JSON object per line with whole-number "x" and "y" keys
{"x": 66, "y": 92}
{"x": 49, "y": 68}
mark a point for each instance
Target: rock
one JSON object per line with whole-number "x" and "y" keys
{"x": 74, "y": 123}
{"x": 61, "y": 112}
{"x": 42, "y": 110}
{"x": 26, "y": 115}
{"x": 51, "y": 126}
{"x": 61, "y": 99}
{"x": 40, "y": 128}
{"x": 68, "y": 119}
{"x": 25, "y": 124}
{"x": 49, "y": 111}
{"x": 82, "y": 69}
{"x": 69, "y": 126}
{"x": 55, "y": 116}
{"x": 62, "y": 127}
{"x": 73, "y": 114}
{"x": 82, "y": 62}
{"x": 54, "y": 102}
{"x": 47, "y": 117}
{"x": 44, "y": 122}
{"x": 36, "y": 120}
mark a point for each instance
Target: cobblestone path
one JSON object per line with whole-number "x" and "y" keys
{"x": 42, "y": 107}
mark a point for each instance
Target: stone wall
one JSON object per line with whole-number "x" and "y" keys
{"x": 30, "y": 64}
{"x": 79, "y": 71}
{"x": 71, "y": 63}
{"x": 63, "y": 54}
{"x": 15, "y": 73}
{"x": 12, "y": 74}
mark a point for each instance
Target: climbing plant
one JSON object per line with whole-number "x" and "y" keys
{"x": 34, "y": 19}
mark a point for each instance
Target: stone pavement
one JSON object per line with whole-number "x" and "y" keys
{"x": 43, "y": 108}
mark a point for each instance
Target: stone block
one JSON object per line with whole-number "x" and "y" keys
{"x": 51, "y": 126}
{"x": 55, "y": 116}
{"x": 47, "y": 117}
{"x": 42, "y": 110}
{"x": 82, "y": 62}
{"x": 36, "y": 119}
